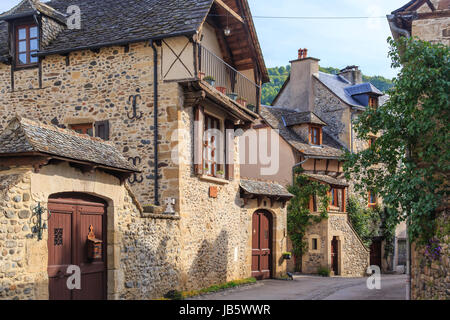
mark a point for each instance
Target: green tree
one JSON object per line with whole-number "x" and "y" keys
{"x": 408, "y": 164}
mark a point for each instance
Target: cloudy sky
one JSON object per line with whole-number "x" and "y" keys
{"x": 337, "y": 42}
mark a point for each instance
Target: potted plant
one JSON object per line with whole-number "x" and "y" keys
{"x": 201, "y": 75}
{"x": 222, "y": 90}
{"x": 210, "y": 80}
{"x": 242, "y": 101}
{"x": 233, "y": 96}
{"x": 287, "y": 255}
{"x": 220, "y": 174}
{"x": 251, "y": 107}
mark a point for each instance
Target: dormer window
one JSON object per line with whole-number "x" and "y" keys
{"x": 27, "y": 44}
{"x": 315, "y": 135}
{"x": 373, "y": 102}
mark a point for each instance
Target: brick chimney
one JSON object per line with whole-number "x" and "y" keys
{"x": 352, "y": 74}
{"x": 299, "y": 95}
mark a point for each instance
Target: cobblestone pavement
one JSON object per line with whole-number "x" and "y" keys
{"x": 304, "y": 287}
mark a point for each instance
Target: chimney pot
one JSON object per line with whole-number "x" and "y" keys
{"x": 300, "y": 53}
{"x": 305, "y": 53}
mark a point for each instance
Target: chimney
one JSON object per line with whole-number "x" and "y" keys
{"x": 299, "y": 94}
{"x": 352, "y": 74}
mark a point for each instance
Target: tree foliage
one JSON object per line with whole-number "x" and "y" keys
{"x": 299, "y": 217}
{"x": 408, "y": 164}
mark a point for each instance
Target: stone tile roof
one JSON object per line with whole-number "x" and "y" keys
{"x": 24, "y": 136}
{"x": 274, "y": 117}
{"x": 263, "y": 188}
{"x": 109, "y": 21}
{"x": 363, "y": 88}
{"x": 328, "y": 179}
{"x": 337, "y": 85}
{"x": 303, "y": 117}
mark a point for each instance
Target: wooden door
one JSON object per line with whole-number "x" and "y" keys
{"x": 68, "y": 228}
{"x": 375, "y": 253}
{"x": 262, "y": 245}
{"x": 335, "y": 256}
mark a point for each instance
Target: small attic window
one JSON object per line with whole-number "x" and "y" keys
{"x": 373, "y": 102}
{"x": 315, "y": 135}
{"x": 27, "y": 44}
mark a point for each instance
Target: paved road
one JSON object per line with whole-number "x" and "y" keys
{"x": 393, "y": 287}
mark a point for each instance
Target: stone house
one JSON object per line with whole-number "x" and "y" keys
{"x": 314, "y": 114}
{"x": 143, "y": 81}
{"x": 428, "y": 21}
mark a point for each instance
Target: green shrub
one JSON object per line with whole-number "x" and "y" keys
{"x": 323, "y": 271}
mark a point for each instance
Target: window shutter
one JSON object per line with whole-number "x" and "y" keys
{"x": 229, "y": 149}
{"x": 102, "y": 129}
{"x": 198, "y": 139}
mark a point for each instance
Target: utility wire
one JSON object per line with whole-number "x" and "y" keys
{"x": 308, "y": 18}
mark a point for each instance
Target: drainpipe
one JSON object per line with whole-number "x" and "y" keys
{"x": 155, "y": 116}
{"x": 295, "y": 167}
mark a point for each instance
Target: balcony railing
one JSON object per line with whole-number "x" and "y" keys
{"x": 228, "y": 80}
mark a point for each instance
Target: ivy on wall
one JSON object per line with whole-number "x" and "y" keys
{"x": 299, "y": 216}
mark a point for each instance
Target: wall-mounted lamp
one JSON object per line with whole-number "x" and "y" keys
{"x": 40, "y": 224}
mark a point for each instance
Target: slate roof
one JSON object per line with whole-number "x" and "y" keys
{"x": 31, "y": 6}
{"x": 26, "y": 136}
{"x": 328, "y": 179}
{"x": 303, "y": 117}
{"x": 263, "y": 188}
{"x": 338, "y": 86}
{"x": 362, "y": 89}
{"x": 274, "y": 117}
{"x": 111, "y": 21}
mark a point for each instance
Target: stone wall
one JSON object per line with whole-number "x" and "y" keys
{"x": 430, "y": 278}
{"x": 355, "y": 256}
{"x": 96, "y": 87}
{"x": 143, "y": 249}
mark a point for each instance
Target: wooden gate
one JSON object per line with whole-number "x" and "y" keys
{"x": 335, "y": 256}
{"x": 72, "y": 216}
{"x": 262, "y": 245}
{"x": 375, "y": 253}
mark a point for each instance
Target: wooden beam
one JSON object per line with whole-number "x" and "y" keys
{"x": 229, "y": 10}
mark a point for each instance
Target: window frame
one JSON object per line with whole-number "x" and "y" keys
{"x": 83, "y": 127}
{"x": 375, "y": 100}
{"x": 372, "y": 204}
{"x": 372, "y": 141}
{"x": 214, "y": 155}
{"x": 312, "y": 129}
{"x": 27, "y": 25}
{"x": 334, "y": 195}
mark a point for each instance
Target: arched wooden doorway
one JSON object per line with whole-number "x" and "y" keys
{"x": 72, "y": 216}
{"x": 262, "y": 245}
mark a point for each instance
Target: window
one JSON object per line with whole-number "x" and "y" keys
{"x": 314, "y": 244}
{"x": 27, "y": 44}
{"x": 315, "y": 135}
{"x": 373, "y": 102}
{"x": 338, "y": 199}
{"x": 85, "y": 128}
{"x": 99, "y": 129}
{"x": 372, "y": 199}
{"x": 212, "y": 151}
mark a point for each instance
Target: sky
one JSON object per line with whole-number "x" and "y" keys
{"x": 337, "y": 43}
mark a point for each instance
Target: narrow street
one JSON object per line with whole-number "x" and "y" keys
{"x": 304, "y": 287}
